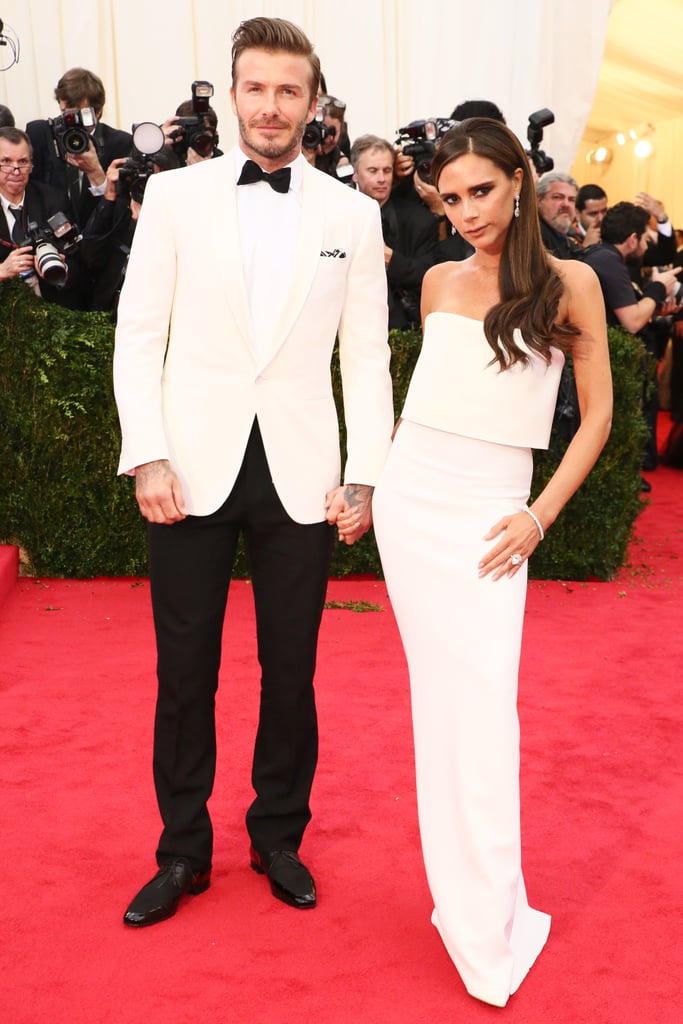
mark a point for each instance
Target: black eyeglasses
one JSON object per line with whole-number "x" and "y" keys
{"x": 7, "y": 166}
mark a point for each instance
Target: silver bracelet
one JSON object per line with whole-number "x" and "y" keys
{"x": 535, "y": 519}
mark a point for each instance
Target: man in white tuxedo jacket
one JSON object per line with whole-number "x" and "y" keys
{"x": 236, "y": 288}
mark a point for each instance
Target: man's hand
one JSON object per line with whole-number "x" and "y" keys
{"x": 158, "y": 492}
{"x": 89, "y": 163}
{"x": 669, "y": 278}
{"x": 113, "y": 177}
{"x": 655, "y": 207}
{"x": 349, "y": 508}
{"x": 592, "y": 235}
{"x": 429, "y": 196}
{"x": 19, "y": 261}
{"x": 404, "y": 165}
{"x": 171, "y": 130}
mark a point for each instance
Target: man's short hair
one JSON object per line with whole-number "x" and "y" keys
{"x": 477, "y": 108}
{"x": 587, "y": 193}
{"x": 550, "y": 178}
{"x": 621, "y": 221}
{"x": 275, "y": 35}
{"x": 186, "y": 109}
{"x": 6, "y": 117}
{"x": 79, "y": 84}
{"x": 365, "y": 143}
{"x": 15, "y": 137}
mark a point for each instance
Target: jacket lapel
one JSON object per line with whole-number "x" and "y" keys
{"x": 226, "y": 228}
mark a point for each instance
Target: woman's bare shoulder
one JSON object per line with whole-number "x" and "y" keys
{"x": 581, "y": 285}
{"x": 573, "y": 273}
{"x": 444, "y": 278}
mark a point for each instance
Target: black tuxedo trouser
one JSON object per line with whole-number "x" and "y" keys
{"x": 190, "y": 566}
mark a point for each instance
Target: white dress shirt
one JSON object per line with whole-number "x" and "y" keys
{"x": 269, "y": 235}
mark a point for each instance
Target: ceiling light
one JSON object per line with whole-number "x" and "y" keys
{"x": 603, "y": 155}
{"x": 643, "y": 148}
{"x": 621, "y": 139}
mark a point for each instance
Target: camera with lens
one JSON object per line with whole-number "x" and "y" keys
{"x": 317, "y": 131}
{"x": 57, "y": 235}
{"x": 197, "y": 131}
{"x": 419, "y": 138}
{"x": 148, "y": 141}
{"x": 71, "y": 131}
{"x": 539, "y": 120}
{"x": 677, "y": 293}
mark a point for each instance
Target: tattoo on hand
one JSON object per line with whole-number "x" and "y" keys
{"x": 357, "y": 494}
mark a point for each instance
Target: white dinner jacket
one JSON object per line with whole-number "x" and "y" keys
{"x": 187, "y": 376}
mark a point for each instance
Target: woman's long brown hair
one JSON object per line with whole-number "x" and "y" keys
{"x": 530, "y": 289}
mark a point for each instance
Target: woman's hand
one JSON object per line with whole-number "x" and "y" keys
{"x": 519, "y": 540}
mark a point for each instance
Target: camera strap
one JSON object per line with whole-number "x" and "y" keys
{"x": 73, "y": 181}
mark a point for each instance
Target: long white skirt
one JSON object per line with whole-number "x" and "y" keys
{"x": 438, "y": 496}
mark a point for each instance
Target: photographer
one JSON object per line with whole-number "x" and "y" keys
{"x": 80, "y": 176}
{"x": 630, "y": 301}
{"x": 25, "y": 202}
{"x": 333, "y": 151}
{"x": 108, "y": 235}
{"x": 410, "y": 231}
{"x": 192, "y": 133}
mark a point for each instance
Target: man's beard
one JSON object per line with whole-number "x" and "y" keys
{"x": 563, "y": 223}
{"x": 272, "y": 150}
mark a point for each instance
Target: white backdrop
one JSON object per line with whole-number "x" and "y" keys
{"x": 391, "y": 60}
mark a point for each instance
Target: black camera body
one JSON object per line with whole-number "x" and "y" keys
{"x": 133, "y": 177}
{"x": 71, "y": 131}
{"x": 419, "y": 138}
{"x": 539, "y": 120}
{"x": 148, "y": 140}
{"x": 57, "y": 235}
{"x": 196, "y": 131}
{"x": 315, "y": 134}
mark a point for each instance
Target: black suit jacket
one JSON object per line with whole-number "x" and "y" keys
{"x": 107, "y": 238}
{"x": 412, "y": 232}
{"x": 50, "y": 169}
{"x": 40, "y": 202}
{"x": 565, "y": 247}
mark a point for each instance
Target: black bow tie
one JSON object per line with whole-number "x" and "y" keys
{"x": 278, "y": 180}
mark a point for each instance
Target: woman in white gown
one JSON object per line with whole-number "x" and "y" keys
{"x": 454, "y": 532}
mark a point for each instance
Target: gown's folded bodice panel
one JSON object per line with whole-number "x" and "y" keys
{"x": 456, "y": 388}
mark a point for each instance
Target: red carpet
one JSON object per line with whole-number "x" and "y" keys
{"x": 601, "y": 789}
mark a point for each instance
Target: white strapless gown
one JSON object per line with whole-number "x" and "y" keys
{"x": 440, "y": 492}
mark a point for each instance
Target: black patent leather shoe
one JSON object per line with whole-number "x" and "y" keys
{"x": 290, "y": 880}
{"x": 159, "y": 899}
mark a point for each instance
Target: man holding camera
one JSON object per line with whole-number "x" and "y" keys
{"x": 411, "y": 233}
{"x": 78, "y": 171}
{"x": 25, "y": 204}
{"x": 108, "y": 235}
{"x": 630, "y": 301}
{"x": 243, "y": 273}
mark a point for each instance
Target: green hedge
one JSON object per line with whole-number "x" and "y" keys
{"x": 62, "y": 503}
